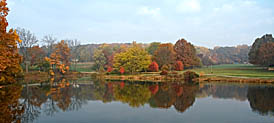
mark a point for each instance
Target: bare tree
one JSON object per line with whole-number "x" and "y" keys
{"x": 49, "y": 41}
{"x": 28, "y": 41}
{"x": 74, "y": 50}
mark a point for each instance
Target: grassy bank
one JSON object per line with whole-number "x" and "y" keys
{"x": 236, "y": 70}
{"x": 145, "y": 77}
{"x": 82, "y": 67}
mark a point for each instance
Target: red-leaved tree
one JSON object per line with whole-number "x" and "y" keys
{"x": 179, "y": 66}
{"x": 153, "y": 67}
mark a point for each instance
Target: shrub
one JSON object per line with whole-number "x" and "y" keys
{"x": 153, "y": 67}
{"x": 122, "y": 70}
{"x": 109, "y": 69}
{"x": 165, "y": 68}
{"x": 174, "y": 73}
{"x": 164, "y": 72}
{"x": 179, "y": 66}
{"x": 189, "y": 76}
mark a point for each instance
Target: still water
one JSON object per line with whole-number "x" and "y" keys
{"x": 116, "y": 102}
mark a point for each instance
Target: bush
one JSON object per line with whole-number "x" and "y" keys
{"x": 164, "y": 72}
{"x": 122, "y": 70}
{"x": 165, "y": 68}
{"x": 179, "y": 66}
{"x": 110, "y": 69}
{"x": 175, "y": 73}
{"x": 189, "y": 76}
{"x": 153, "y": 67}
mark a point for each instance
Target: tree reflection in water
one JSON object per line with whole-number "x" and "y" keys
{"x": 261, "y": 99}
{"x": 29, "y": 102}
{"x": 11, "y": 109}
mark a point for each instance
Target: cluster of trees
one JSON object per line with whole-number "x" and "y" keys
{"x": 223, "y": 55}
{"x": 135, "y": 57}
{"x": 262, "y": 51}
{"x": 53, "y": 56}
{"x": 166, "y": 56}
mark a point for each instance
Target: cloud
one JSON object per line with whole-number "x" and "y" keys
{"x": 189, "y": 6}
{"x": 149, "y": 11}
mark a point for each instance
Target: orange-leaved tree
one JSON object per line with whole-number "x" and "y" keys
{"x": 186, "y": 53}
{"x": 164, "y": 55}
{"x": 60, "y": 57}
{"x": 37, "y": 55}
{"x": 9, "y": 56}
{"x": 179, "y": 66}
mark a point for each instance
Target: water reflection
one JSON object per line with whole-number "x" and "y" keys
{"x": 29, "y": 102}
{"x": 261, "y": 99}
{"x": 11, "y": 109}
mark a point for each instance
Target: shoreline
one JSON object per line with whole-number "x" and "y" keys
{"x": 159, "y": 78}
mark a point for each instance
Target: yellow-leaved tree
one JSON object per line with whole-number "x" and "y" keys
{"x": 9, "y": 57}
{"x": 135, "y": 59}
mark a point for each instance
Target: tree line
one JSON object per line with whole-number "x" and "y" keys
{"x": 20, "y": 49}
{"x": 135, "y": 58}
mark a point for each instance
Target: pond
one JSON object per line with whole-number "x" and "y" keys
{"x": 85, "y": 101}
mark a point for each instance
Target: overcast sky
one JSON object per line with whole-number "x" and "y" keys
{"x": 202, "y": 22}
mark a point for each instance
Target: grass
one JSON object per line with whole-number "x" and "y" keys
{"x": 236, "y": 70}
{"x": 82, "y": 67}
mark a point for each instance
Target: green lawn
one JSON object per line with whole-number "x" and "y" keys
{"x": 237, "y": 70}
{"x": 82, "y": 67}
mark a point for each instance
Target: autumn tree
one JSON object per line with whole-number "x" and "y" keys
{"x": 37, "y": 55}
{"x": 266, "y": 54}
{"x": 60, "y": 57}
{"x": 153, "y": 67}
{"x": 179, "y": 66}
{"x": 255, "y": 56}
{"x": 186, "y": 53}
{"x": 207, "y": 60}
{"x": 99, "y": 59}
{"x": 134, "y": 59}
{"x": 9, "y": 56}
{"x": 108, "y": 52}
{"x": 164, "y": 55}
{"x": 153, "y": 47}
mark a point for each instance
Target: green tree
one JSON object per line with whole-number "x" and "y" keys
{"x": 134, "y": 59}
